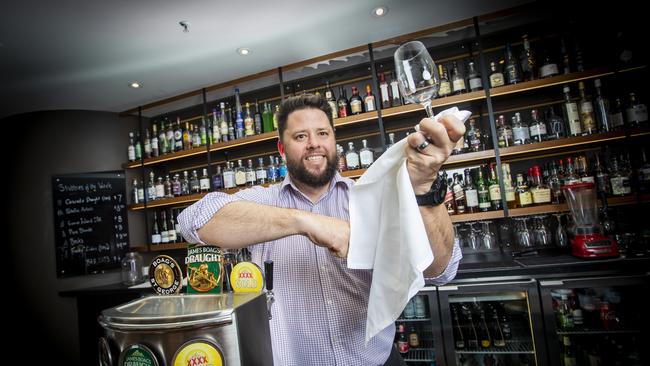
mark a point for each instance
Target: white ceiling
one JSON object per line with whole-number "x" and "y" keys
{"x": 82, "y": 54}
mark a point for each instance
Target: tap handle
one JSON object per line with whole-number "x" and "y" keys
{"x": 268, "y": 275}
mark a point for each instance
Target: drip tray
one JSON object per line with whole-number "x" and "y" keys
{"x": 555, "y": 260}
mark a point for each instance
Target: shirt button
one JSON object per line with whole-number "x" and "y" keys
{"x": 323, "y": 268}
{"x": 329, "y": 302}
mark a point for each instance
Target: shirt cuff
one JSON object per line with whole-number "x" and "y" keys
{"x": 452, "y": 267}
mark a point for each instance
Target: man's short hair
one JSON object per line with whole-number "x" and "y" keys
{"x": 299, "y": 102}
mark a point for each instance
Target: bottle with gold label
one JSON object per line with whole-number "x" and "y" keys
{"x": 541, "y": 192}
{"x": 240, "y": 174}
{"x": 249, "y": 122}
{"x": 445, "y": 86}
{"x": 356, "y": 103}
{"x": 507, "y": 184}
{"x": 495, "y": 190}
{"x": 522, "y": 193}
{"x": 457, "y": 80}
{"x": 496, "y": 77}
{"x": 587, "y": 115}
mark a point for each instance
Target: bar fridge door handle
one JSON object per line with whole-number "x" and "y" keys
{"x": 551, "y": 283}
{"x": 448, "y": 288}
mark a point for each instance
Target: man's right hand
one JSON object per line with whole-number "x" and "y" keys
{"x": 327, "y": 232}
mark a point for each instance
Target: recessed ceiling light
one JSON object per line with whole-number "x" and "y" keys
{"x": 379, "y": 11}
{"x": 243, "y": 51}
{"x": 135, "y": 85}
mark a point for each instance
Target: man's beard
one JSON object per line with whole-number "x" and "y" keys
{"x": 300, "y": 173}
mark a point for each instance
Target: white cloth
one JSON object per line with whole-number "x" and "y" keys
{"x": 387, "y": 234}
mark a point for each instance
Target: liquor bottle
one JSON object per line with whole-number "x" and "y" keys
{"x": 276, "y": 117}
{"x": 603, "y": 185}
{"x": 140, "y": 191}
{"x": 601, "y": 106}
{"x": 471, "y": 193}
{"x": 204, "y": 182}
{"x": 186, "y": 143}
{"x": 228, "y": 176}
{"x": 351, "y": 157}
{"x": 240, "y": 174}
{"x": 459, "y": 194}
{"x": 356, "y": 103}
{"x": 155, "y": 232}
{"x": 151, "y": 188}
{"x": 474, "y": 78}
{"x": 449, "y": 195}
{"x": 520, "y": 130}
{"x": 528, "y": 64}
{"x": 366, "y": 155}
{"x": 643, "y": 173}
{"x": 512, "y": 72}
{"x": 383, "y": 91}
{"x": 587, "y": 114}
{"x": 171, "y": 229}
{"x": 556, "y": 128}
{"x": 402, "y": 343}
{"x": 164, "y": 232}
{"x": 178, "y": 135}
{"x": 483, "y": 331}
{"x": 444, "y": 89}
{"x": 570, "y": 177}
{"x": 220, "y": 128}
{"x": 282, "y": 168}
{"x": 209, "y": 130}
{"x": 582, "y": 170}
{"x": 185, "y": 184}
{"x": 329, "y": 97}
{"x": 391, "y": 139}
{"x": 267, "y": 119}
{"x": 160, "y": 188}
{"x": 134, "y": 193}
{"x": 522, "y": 193}
{"x": 495, "y": 190}
{"x": 131, "y": 148}
{"x": 239, "y": 116}
{"x": 474, "y": 137}
{"x": 566, "y": 59}
{"x": 342, "y": 163}
{"x": 484, "y": 203}
{"x": 369, "y": 99}
{"x": 619, "y": 178}
{"x": 195, "y": 185}
{"x": 155, "y": 149}
{"x": 636, "y": 112}
{"x": 170, "y": 135}
{"x": 549, "y": 67}
{"x": 249, "y": 122}
{"x": 511, "y": 200}
{"x": 472, "y": 335}
{"x": 541, "y": 192}
{"x": 459, "y": 338}
{"x": 163, "y": 143}
{"x": 250, "y": 173}
{"x": 342, "y": 103}
{"x": 504, "y": 132}
{"x": 147, "y": 144}
{"x": 537, "y": 127}
{"x": 168, "y": 187}
{"x": 457, "y": 79}
{"x": 138, "y": 147}
{"x": 271, "y": 171}
{"x": 496, "y": 77}
{"x": 396, "y": 100}
{"x": 554, "y": 184}
{"x": 568, "y": 354}
{"x": 420, "y": 306}
{"x": 217, "y": 179}
{"x": 498, "y": 338}
{"x": 258, "y": 118}
{"x": 414, "y": 338}
{"x": 571, "y": 115}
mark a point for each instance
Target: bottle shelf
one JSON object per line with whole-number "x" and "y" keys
{"x": 577, "y": 142}
{"x": 598, "y": 332}
{"x": 511, "y": 347}
{"x": 563, "y": 207}
{"x": 164, "y": 202}
{"x": 479, "y": 216}
{"x": 547, "y": 82}
{"x": 435, "y": 103}
{"x": 420, "y": 354}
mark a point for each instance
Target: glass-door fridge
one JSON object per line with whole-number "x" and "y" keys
{"x": 490, "y": 323}
{"x": 596, "y": 321}
{"x": 414, "y": 329}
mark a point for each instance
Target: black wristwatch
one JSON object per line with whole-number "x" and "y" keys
{"x": 436, "y": 194}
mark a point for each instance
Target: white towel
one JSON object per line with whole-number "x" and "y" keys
{"x": 387, "y": 234}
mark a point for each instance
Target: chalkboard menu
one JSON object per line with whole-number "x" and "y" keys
{"x": 90, "y": 222}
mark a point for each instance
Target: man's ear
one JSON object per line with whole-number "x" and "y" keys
{"x": 281, "y": 148}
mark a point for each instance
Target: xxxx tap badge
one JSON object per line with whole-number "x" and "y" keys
{"x": 203, "y": 269}
{"x": 246, "y": 277}
{"x": 198, "y": 353}
{"x": 137, "y": 355}
{"x": 165, "y": 275}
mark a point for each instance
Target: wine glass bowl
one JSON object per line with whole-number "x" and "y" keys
{"x": 416, "y": 74}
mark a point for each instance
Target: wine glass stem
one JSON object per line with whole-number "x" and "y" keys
{"x": 428, "y": 109}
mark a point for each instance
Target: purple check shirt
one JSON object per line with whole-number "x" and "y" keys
{"x": 319, "y": 314}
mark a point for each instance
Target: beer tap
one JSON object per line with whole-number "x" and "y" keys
{"x": 268, "y": 279}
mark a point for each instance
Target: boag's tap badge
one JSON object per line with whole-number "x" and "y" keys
{"x": 204, "y": 269}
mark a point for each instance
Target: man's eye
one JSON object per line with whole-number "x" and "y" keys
{"x": 300, "y": 137}
{"x": 324, "y": 133}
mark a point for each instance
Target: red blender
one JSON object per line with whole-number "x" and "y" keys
{"x": 588, "y": 240}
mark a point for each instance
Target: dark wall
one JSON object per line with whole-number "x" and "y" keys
{"x": 49, "y": 143}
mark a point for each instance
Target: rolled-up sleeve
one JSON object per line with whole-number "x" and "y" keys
{"x": 452, "y": 267}
{"x": 192, "y": 218}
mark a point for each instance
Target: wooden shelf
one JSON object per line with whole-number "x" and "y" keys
{"x": 435, "y": 103}
{"x": 356, "y": 118}
{"x": 470, "y": 157}
{"x": 356, "y": 173}
{"x": 165, "y": 158}
{"x": 552, "y": 81}
{"x": 479, "y": 216}
{"x": 168, "y": 201}
{"x": 561, "y": 144}
{"x": 563, "y": 207}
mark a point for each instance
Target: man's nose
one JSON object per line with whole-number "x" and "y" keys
{"x": 312, "y": 142}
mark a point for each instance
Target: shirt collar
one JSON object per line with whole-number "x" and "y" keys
{"x": 337, "y": 180}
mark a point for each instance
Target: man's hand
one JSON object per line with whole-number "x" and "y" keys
{"x": 327, "y": 232}
{"x": 424, "y": 160}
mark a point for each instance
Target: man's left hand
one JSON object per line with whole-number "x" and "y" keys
{"x": 429, "y": 148}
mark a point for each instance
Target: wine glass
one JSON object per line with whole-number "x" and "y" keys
{"x": 488, "y": 238}
{"x": 417, "y": 74}
{"x": 472, "y": 237}
{"x": 561, "y": 237}
{"x": 523, "y": 235}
